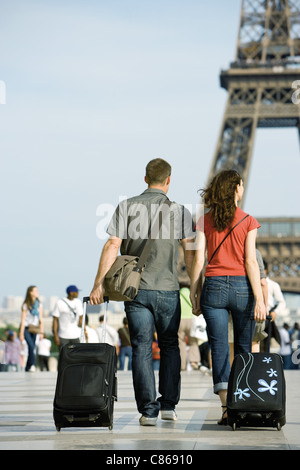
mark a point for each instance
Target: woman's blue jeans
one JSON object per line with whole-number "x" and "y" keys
{"x": 152, "y": 310}
{"x": 30, "y": 340}
{"x": 220, "y": 296}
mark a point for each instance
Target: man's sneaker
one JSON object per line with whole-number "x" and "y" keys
{"x": 146, "y": 421}
{"x": 169, "y": 415}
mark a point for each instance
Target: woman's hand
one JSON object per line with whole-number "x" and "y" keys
{"x": 260, "y": 311}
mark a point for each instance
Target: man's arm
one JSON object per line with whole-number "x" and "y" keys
{"x": 262, "y": 275}
{"x": 55, "y": 331}
{"x": 108, "y": 257}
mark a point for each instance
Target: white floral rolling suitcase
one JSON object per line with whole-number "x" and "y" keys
{"x": 256, "y": 391}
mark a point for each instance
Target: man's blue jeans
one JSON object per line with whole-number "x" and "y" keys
{"x": 152, "y": 310}
{"x": 220, "y": 296}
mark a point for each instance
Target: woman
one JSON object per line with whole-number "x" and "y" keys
{"x": 31, "y": 324}
{"x": 232, "y": 282}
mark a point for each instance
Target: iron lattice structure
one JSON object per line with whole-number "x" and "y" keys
{"x": 279, "y": 243}
{"x": 260, "y": 80}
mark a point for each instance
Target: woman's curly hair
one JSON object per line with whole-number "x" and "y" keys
{"x": 218, "y": 197}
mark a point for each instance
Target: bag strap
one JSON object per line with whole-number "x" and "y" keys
{"x": 226, "y": 237}
{"x": 148, "y": 245}
{"x": 74, "y": 313}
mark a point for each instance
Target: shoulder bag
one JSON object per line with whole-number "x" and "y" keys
{"x": 74, "y": 313}
{"x": 34, "y": 329}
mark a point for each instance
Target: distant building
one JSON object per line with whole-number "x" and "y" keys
{"x": 13, "y": 302}
{"x": 278, "y": 240}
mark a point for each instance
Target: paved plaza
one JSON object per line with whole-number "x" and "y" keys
{"x": 26, "y": 421}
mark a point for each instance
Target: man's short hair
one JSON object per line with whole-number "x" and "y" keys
{"x": 157, "y": 171}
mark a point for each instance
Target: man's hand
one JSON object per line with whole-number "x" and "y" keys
{"x": 108, "y": 257}
{"x": 97, "y": 295}
{"x": 195, "y": 301}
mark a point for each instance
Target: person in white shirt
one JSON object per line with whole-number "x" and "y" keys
{"x": 111, "y": 336}
{"x": 285, "y": 347}
{"x": 67, "y": 318}
{"x": 275, "y": 296}
{"x": 91, "y": 335}
{"x": 44, "y": 346}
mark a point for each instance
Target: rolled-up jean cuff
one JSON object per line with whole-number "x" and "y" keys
{"x": 220, "y": 386}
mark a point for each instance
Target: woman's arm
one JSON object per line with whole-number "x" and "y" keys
{"x": 196, "y": 271}
{"x": 254, "y": 277}
{"x": 41, "y": 312}
{"x": 22, "y": 326}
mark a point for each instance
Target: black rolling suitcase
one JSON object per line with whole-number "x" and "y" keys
{"x": 86, "y": 386}
{"x": 256, "y": 390}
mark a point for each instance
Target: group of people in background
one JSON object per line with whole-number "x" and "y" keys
{"x": 32, "y": 345}
{"x": 20, "y": 353}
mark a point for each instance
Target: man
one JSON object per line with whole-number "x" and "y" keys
{"x": 67, "y": 318}
{"x": 275, "y": 296}
{"x": 276, "y": 306}
{"x": 285, "y": 347}
{"x": 157, "y": 304}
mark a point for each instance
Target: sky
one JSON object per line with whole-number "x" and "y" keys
{"x": 94, "y": 90}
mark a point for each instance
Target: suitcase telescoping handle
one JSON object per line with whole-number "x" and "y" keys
{"x": 269, "y": 319}
{"x": 85, "y": 302}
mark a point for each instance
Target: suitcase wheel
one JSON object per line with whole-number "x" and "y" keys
{"x": 233, "y": 426}
{"x": 58, "y": 428}
{"x": 278, "y": 427}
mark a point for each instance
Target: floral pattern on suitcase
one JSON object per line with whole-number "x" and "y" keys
{"x": 265, "y": 386}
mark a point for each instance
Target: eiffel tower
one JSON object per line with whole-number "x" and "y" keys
{"x": 260, "y": 81}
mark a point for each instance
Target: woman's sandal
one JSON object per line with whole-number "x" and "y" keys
{"x": 223, "y": 420}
